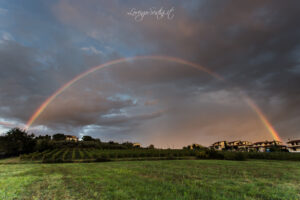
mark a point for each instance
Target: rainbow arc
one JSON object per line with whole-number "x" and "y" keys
{"x": 249, "y": 101}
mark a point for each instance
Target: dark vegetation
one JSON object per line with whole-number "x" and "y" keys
{"x": 102, "y": 155}
{"x": 232, "y": 155}
{"x": 16, "y": 142}
{"x": 78, "y": 154}
{"x": 56, "y": 149}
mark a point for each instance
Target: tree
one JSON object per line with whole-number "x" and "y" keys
{"x": 112, "y": 142}
{"x": 43, "y": 137}
{"x": 128, "y": 145}
{"x": 16, "y": 142}
{"x": 87, "y": 138}
{"x": 58, "y": 136}
{"x": 151, "y": 146}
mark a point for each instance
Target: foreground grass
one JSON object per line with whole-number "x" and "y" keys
{"x": 173, "y": 179}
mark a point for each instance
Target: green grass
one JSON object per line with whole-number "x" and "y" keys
{"x": 170, "y": 179}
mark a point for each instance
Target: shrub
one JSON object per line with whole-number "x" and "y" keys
{"x": 170, "y": 157}
{"x": 202, "y": 155}
{"x": 274, "y": 155}
{"x": 235, "y": 156}
{"x": 215, "y": 154}
{"x": 240, "y": 156}
{"x": 142, "y": 154}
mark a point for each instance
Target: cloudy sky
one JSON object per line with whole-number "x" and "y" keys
{"x": 254, "y": 45}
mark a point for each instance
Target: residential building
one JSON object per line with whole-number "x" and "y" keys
{"x": 239, "y": 145}
{"x": 266, "y": 146}
{"x": 294, "y": 146}
{"x": 71, "y": 138}
{"x": 137, "y": 145}
{"x": 221, "y": 145}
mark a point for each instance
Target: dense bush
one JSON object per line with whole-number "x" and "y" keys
{"x": 16, "y": 142}
{"x": 212, "y": 154}
{"x": 59, "y": 137}
{"x": 235, "y": 156}
{"x": 232, "y": 155}
{"x": 202, "y": 155}
{"x": 274, "y": 155}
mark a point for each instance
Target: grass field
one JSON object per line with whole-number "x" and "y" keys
{"x": 170, "y": 179}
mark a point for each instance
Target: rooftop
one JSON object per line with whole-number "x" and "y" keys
{"x": 72, "y": 136}
{"x": 292, "y": 141}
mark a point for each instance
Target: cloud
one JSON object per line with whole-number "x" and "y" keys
{"x": 91, "y": 49}
{"x": 6, "y": 37}
{"x": 254, "y": 45}
{"x": 3, "y": 11}
{"x": 151, "y": 102}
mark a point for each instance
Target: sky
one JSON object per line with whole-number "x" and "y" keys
{"x": 254, "y": 45}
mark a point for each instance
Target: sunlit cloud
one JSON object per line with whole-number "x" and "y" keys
{"x": 253, "y": 45}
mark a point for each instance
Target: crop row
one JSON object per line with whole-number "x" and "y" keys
{"x": 72, "y": 154}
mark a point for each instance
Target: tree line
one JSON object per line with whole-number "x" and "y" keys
{"x": 16, "y": 142}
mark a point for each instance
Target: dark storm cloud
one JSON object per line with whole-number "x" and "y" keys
{"x": 253, "y": 44}
{"x": 253, "y": 40}
{"x": 20, "y": 79}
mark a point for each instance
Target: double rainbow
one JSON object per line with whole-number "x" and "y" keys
{"x": 6, "y": 124}
{"x": 250, "y": 102}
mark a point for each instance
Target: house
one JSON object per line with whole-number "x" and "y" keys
{"x": 234, "y": 143}
{"x": 267, "y": 145}
{"x": 221, "y": 145}
{"x": 71, "y": 138}
{"x": 239, "y": 145}
{"x": 245, "y": 146}
{"x": 137, "y": 145}
{"x": 294, "y": 145}
{"x": 264, "y": 146}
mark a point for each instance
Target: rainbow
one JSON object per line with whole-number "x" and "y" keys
{"x": 6, "y": 124}
{"x": 44, "y": 105}
{"x": 263, "y": 118}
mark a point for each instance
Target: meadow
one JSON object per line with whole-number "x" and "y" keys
{"x": 162, "y": 179}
